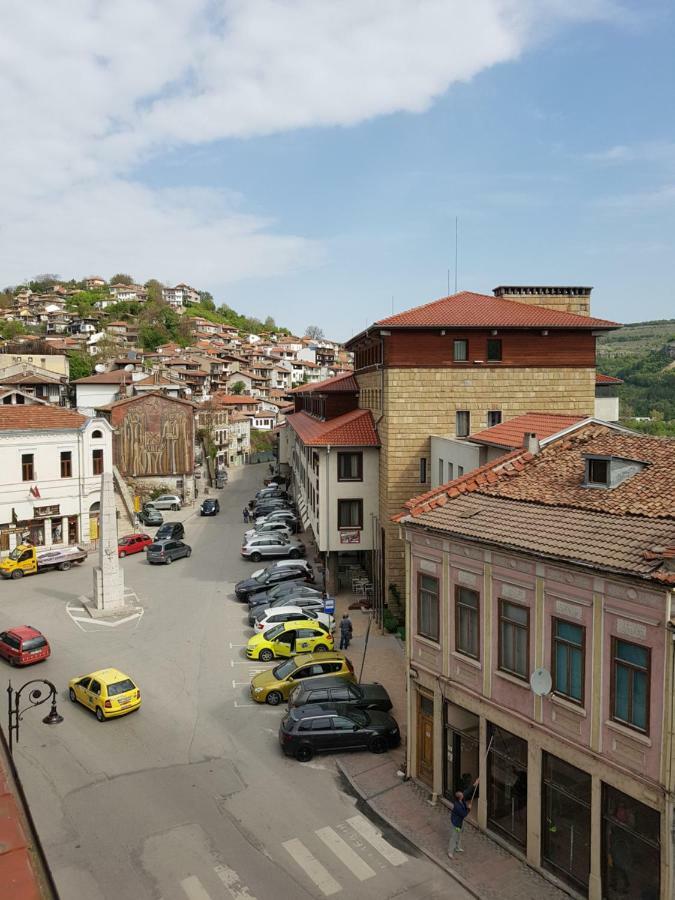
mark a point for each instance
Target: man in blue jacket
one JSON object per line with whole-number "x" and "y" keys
{"x": 461, "y": 807}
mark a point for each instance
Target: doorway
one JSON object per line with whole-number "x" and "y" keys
{"x": 425, "y": 739}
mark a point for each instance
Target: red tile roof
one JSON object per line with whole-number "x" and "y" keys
{"x": 343, "y": 383}
{"x": 353, "y": 429}
{"x": 469, "y": 310}
{"x": 510, "y": 434}
{"x": 607, "y": 379}
{"x": 234, "y": 399}
{"x": 47, "y": 418}
{"x": 113, "y": 377}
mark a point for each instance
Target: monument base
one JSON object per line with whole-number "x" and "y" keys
{"x": 130, "y": 605}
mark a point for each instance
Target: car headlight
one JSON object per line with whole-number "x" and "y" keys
{"x": 258, "y": 689}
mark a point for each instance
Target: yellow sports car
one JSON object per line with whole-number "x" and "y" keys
{"x": 108, "y": 693}
{"x": 289, "y": 638}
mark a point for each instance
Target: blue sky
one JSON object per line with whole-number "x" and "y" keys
{"x": 323, "y": 179}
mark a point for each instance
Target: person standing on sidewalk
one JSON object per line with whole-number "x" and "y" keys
{"x": 460, "y": 810}
{"x": 345, "y": 631}
{"x": 245, "y": 514}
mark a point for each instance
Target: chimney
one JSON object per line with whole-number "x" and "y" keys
{"x": 531, "y": 442}
{"x": 565, "y": 299}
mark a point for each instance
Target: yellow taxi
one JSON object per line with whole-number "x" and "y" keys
{"x": 289, "y": 638}
{"x": 276, "y": 684}
{"x": 107, "y": 693}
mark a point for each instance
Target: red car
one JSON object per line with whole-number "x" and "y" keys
{"x": 23, "y": 645}
{"x": 132, "y": 543}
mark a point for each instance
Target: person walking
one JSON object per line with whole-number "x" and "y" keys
{"x": 461, "y": 807}
{"x": 245, "y": 514}
{"x": 345, "y": 631}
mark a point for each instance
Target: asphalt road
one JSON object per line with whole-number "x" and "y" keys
{"x": 190, "y": 797}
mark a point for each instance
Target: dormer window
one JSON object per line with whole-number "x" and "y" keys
{"x": 597, "y": 472}
{"x": 609, "y": 471}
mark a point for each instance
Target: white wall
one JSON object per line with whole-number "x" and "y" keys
{"x": 607, "y": 409}
{"x": 454, "y": 454}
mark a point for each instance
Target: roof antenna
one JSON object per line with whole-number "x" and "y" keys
{"x": 456, "y": 244}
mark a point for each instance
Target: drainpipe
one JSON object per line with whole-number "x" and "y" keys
{"x": 328, "y": 524}
{"x": 80, "y": 474}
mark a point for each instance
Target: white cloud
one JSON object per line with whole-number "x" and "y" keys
{"x": 88, "y": 90}
{"x": 645, "y": 151}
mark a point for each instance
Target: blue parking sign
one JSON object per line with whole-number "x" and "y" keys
{"x": 329, "y": 605}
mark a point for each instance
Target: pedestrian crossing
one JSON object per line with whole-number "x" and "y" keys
{"x": 342, "y": 851}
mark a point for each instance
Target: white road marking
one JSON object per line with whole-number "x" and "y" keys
{"x": 232, "y": 882}
{"x": 105, "y": 622}
{"x": 194, "y": 889}
{"x": 312, "y": 867}
{"x": 233, "y": 646}
{"x": 374, "y": 837}
{"x": 345, "y": 854}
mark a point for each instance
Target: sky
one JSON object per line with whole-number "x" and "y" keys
{"x": 309, "y": 160}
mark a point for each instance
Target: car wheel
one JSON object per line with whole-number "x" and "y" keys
{"x": 174, "y": 508}
{"x": 12, "y": 661}
{"x": 304, "y": 753}
{"x": 320, "y": 648}
{"x": 189, "y": 553}
{"x": 122, "y": 554}
{"x": 71, "y": 694}
{"x": 255, "y": 557}
{"x": 266, "y": 655}
{"x": 99, "y": 714}
{"x": 17, "y": 573}
{"x": 168, "y": 560}
{"x": 274, "y": 698}
{"x": 378, "y": 745}
{"x": 294, "y": 554}
{"x": 65, "y": 566}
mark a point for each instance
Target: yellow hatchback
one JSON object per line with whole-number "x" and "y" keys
{"x": 275, "y": 684}
{"x": 289, "y": 638}
{"x": 107, "y": 693}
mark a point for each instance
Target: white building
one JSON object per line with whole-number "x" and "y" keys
{"x": 51, "y": 460}
{"x": 99, "y": 390}
{"x": 180, "y": 296}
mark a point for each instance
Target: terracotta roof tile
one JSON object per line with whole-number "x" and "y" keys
{"x": 344, "y": 383}
{"x": 48, "y": 418}
{"x": 510, "y": 434}
{"x": 607, "y": 379}
{"x": 353, "y": 429}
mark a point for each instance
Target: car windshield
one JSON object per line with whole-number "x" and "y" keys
{"x": 284, "y": 669}
{"x": 35, "y": 643}
{"x": 16, "y": 553}
{"x": 262, "y": 577}
{"x": 358, "y": 717}
{"x": 121, "y": 687}
{"x": 274, "y": 633}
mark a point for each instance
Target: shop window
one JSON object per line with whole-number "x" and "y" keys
{"x": 467, "y": 622}
{"x": 462, "y": 751}
{"x": 566, "y": 822}
{"x": 428, "y": 616}
{"x": 460, "y": 350}
{"x": 631, "y": 852}
{"x": 27, "y": 467}
{"x": 462, "y": 423}
{"x": 630, "y": 684}
{"x": 66, "y": 464}
{"x": 568, "y": 660}
{"x": 350, "y": 466}
{"x": 350, "y": 513}
{"x": 97, "y": 461}
{"x": 514, "y": 639}
{"x": 507, "y": 785}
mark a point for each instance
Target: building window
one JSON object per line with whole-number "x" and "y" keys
{"x": 630, "y": 684}
{"x": 440, "y": 471}
{"x": 598, "y": 471}
{"x": 350, "y": 466}
{"x": 494, "y": 350}
{"x": 460, "y": 351}
{"x": 428, "y": 616}
{"x": 423, "y": 470}
{"x": 631, "y": 851}
{"x": 97, "y": 461}
{"x": 566, "y": 822}
{"x": 27, "y": 467}
{"x": 494, "y": 417}
{"x": 66, "y": 464}
{"x": 462, "y": 423}
{"x": 460, "y": 471}
{"x": 568, "y": 660}
{"x": 97, "y": 434}
{"x": 350, "y": 513}
{"x": 514, "y": 639}
{"x": 467, "y": 619}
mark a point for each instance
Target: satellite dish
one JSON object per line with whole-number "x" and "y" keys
{"x": 541, "y": 682}
{"x": 99, "y": 368}
{"x": 129, "y": 368}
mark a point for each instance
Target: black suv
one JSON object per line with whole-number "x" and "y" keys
{"x": 269, "y": 577}
{"x": 209, "y": 507}
{"x": 307, "y": 730}
{"x": 170, "y": 531}
{"x": 332, "y": 691}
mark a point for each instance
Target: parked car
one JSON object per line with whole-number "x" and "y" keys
{"x": 289, "y": 638}
{"x": 168, "y": 530}
{"x": 150, "y": 516}
{"x": 266, "y": 618}
{"x": 257, "y": 548}
{"x": 107, "y": 693}
{"x": 209, "y": 507}
{"x": 310, "y": 602}
{"x": 274, "y": 685}
{"x": 268, "y": 528}
{"x": 167, "y": 501}
{"x": 269, "y": 492}
{"x": 267, "y": 578}
{"x": 287, "y": 516}
{"x": 332, "y": 691}
{"x": 132, "y": 543}
{"x": 167, "y": 551}
{"x": 23, "y": 645}
{"x": 307, "y": 730}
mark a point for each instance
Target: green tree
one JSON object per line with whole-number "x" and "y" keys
{"x": 238, "y": 387}
{"x": 80, "y": 364}
{"x": 314, "y": 332}
{"x": 10, "y": 329}
{"x": 154, "y": 289}
{"x": 121, "y": 278}
{"x": 206, "y": 300}
{"x": 151, "y": 336}
{"x": 269, "y": 324}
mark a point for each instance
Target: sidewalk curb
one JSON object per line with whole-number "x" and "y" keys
{"x": 396, "y": 827}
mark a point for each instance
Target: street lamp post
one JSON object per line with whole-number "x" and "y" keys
{"x": 36, "y": 697}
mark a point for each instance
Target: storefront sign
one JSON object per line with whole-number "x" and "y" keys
{"x": 350, "y": 536}
{"x": 40, "y": 512}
